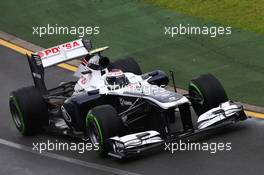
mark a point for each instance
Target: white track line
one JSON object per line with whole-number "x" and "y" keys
{"x": 67, "y": 159}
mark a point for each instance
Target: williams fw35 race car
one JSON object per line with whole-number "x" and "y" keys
{"x": 116, "y": 107}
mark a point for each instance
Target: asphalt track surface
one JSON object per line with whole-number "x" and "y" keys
{"x": 17, "y": 157}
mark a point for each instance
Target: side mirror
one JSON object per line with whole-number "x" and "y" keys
{"x": 86, "y": 72}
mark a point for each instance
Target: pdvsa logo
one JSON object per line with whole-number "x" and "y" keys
{"x": 55, "y": 50}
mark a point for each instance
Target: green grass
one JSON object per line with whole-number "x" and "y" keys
{"x": 137, "y": 29}
{"x": 246, "y": 14}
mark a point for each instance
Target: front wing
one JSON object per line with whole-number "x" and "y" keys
{"x": 141, "y": 143}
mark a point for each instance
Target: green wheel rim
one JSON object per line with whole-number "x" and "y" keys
{"x": 197, "y": 89}
{"x": 90, "y": 118}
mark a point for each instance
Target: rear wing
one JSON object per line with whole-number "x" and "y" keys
{"x": 64, "y": 52}
{"x": 53, "y": 56}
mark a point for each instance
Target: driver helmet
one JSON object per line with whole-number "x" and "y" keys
{"x": 116, "y": 79}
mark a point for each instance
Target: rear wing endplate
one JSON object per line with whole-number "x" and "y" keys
{"x": 53, "y": 56}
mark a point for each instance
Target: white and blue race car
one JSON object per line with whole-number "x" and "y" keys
{"x": 114, "y": 105}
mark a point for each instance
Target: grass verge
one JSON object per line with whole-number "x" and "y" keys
{"x": 137, "y": 29}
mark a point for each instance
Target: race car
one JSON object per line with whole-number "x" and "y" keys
{"x": 115, "y": 106}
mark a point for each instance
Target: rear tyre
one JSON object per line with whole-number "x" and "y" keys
{"x": 127, "y": 65}
{"x": 206, "y": 92}
{"x": 28, "y": 109}
{"x": 102, "y": 122}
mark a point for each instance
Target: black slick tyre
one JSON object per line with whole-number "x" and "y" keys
{"x": 206, "y": 92}
{"x": 102, "y": 122}
{"x": 28, "y": 109}
{"x": 126, "y": 65}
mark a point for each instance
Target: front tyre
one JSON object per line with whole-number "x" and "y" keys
{"x": 102, "y": 122}
{"x": 206, "y": 92}
{"x": 28, "y": 109}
